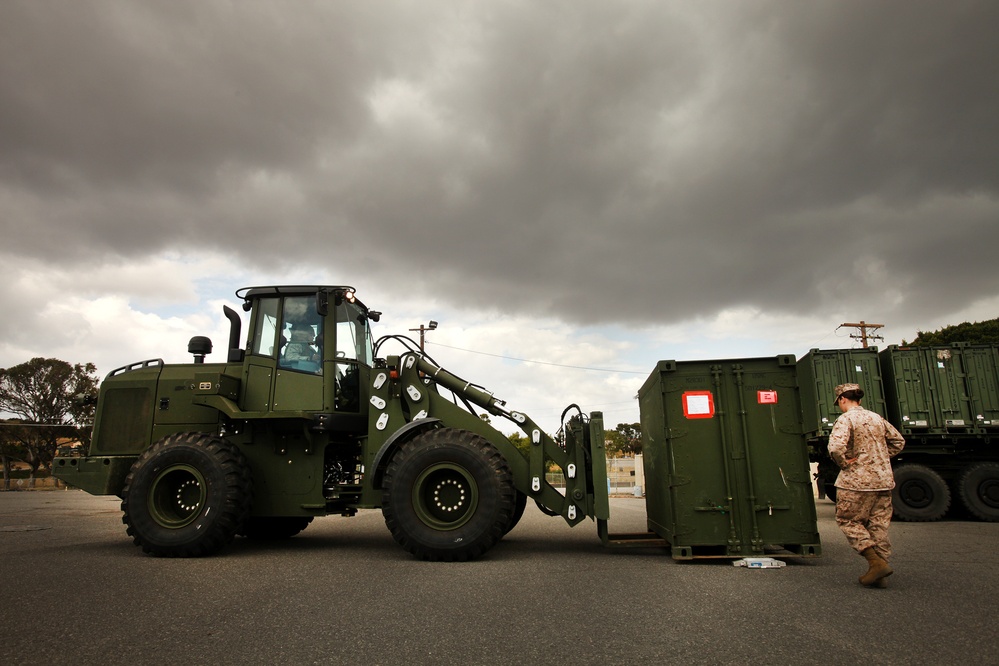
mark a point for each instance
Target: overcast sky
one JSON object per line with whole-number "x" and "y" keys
{"x": 597, "y": 185}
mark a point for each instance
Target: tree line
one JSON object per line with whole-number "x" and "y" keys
{"x": 978, "y": 333}
{"x": 50, "y": 403}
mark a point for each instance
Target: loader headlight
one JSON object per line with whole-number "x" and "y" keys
{"x": 344, "y": 295}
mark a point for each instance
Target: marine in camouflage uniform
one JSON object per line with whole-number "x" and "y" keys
{"x": 862, "y": 444}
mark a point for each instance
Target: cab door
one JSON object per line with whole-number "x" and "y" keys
{"x": 284, "y": 361}
{"x": 298, "y": 382}
{"x": 351, "y": 358}
{"x": 262, "y": 350}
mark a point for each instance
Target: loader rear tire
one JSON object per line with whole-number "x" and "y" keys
{"x": 186, "y": 496}
{"x": 448, "y": 495}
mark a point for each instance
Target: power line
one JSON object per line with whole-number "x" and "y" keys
{"x": 525, "y": 360}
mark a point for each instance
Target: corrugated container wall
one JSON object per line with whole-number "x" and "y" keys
{"x": 820, "y": 371}
{"x": 942, "y": 390}
{"x": 725, "y": 462}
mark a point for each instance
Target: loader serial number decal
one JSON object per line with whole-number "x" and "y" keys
{"x": 698, "y": 404}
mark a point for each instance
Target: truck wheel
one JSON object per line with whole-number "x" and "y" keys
{"x": 920, "y": 495}
{"x": 448, "y": 495}
{"x": 271, "y": 528}
{"x": 186, "y": 496}
{"x": 979, "y": 490}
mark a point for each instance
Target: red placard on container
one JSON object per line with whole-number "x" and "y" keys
{"x": 766, "y": 397}
{"x": 698, "y": 404}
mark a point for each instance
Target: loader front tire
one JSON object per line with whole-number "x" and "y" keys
{"x": 520, "y": 504}
{"x": 448, "y": 495}
{"x": 186, "y": 496}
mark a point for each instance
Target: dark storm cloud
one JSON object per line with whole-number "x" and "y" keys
{"x": 625, "y": 162}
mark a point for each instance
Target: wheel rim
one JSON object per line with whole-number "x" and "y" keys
{"x": 177, "y": 496}
{"x": 988, "y": 493}
{"x": 445, "y": 496}
{"x": 916, "y": 494}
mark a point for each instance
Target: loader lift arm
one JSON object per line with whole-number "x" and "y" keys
{"x": 405, "y": 392}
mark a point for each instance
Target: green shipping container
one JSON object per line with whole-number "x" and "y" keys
{"x": 820, "y": 371}
{"x": 981, "y": 363}
{"x": 947, "y": 390}
{"x": 726, "y": 465}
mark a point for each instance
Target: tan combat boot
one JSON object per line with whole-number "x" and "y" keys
{"x": 877, "y": 570}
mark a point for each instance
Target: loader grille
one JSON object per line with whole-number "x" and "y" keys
{"x": 126, "y": 418}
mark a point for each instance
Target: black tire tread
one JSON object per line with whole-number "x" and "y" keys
{"x": 931, "y": 513}
{"x": 968, "y": 490}
{"x": 470, "y": 549}
{"x": 227, "y": 522}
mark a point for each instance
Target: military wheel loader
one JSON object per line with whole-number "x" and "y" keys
{"x": 307, "y": 420}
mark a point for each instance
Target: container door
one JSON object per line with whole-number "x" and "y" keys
{"x": 910, "y": 388}
{"x": 701, "y": 472}
{"x": 773, "y": 480}
{"x": 949, "y": 388}
{"x": 821, "y": 371}
{"x": 982, "y": 366}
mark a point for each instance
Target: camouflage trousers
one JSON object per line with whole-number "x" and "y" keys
{"x": 864, "y": 517}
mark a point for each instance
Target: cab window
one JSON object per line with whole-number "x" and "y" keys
{"x": 301, "y": 336}
{"x": 353, "y": 347}
{"x": 265, "y": 328}
{"x": 353, "y": 336}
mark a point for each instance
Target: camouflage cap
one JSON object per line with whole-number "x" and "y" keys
{"x": 843, "y": 388}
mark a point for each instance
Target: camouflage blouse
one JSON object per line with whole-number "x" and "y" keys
{"x": 866, "y": 437}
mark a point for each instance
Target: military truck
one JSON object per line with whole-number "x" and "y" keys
{"x": 943, "y": 399}
{"x": 307, "y": 420}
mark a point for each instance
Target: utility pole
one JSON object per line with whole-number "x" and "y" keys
{"x": 863, "y": 335}
{"x": 429, "y": 327}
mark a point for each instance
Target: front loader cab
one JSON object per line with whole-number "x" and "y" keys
{"x": 309, "y": 349}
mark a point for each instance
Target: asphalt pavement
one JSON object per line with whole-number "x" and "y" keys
{"x": 75, "y": 591}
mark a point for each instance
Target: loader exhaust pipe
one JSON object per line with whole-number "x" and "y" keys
{"x": 235, "y": 326}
